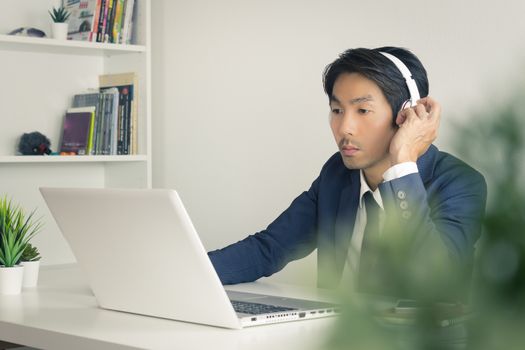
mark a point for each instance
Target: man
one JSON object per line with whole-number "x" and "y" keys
{"x": 428, "y": 200}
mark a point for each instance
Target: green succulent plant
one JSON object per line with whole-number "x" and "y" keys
{"x": 16, "y": 230}
{"x": 59, "y": 15}
{"x": 30, "y": 253}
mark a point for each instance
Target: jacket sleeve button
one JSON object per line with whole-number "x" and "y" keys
{"x": 401, "y": 194}
{"x": 406, "y": 214}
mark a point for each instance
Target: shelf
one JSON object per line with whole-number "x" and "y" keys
{"x": 70, "y": 159}
{"x": 46, "y": 45}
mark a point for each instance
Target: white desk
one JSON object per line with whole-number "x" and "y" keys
{"x": 62, "y": 313}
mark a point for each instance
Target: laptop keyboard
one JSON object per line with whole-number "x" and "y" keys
{"x": 257, "y": 309}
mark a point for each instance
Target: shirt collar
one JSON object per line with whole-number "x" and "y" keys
{"x": 365, "y": 188}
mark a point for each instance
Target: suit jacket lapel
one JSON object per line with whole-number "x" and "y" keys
{"x": 349, "y": 201}
{"x": 346, "y": 214}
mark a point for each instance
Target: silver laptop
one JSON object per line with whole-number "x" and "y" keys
{"x": 141, "y": 254}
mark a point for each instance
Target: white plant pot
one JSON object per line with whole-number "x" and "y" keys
{"x": 59, "y": 30}
{"x": 31, "y": 269}
{"x": 11, "y": 279}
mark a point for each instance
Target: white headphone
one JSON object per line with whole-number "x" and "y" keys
{"x": 411, "y": 83}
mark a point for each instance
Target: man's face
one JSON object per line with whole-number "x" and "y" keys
{"x": 361, "y": 121}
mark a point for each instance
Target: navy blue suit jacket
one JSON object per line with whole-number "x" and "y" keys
{"x": 446, "y": 203}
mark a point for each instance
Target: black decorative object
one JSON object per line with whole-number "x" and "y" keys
{"x": 28, "y": 31}
{"x": 34, "y": 143}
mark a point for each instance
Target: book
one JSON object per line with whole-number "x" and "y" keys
{"x": 82, "y": 18}
{"x": 94, "y": 30}
{"x": 117, "y": 22}
{"x": 108, "y": 103}
{"x": 77, "y": 133}
{"x": 102, "y": 23}
{"x": 105, "y": 125}
{"x": 91, "y": 99}
{"x": 115, "y": 114}
{"x": 108, "y": 26}
{"x": 127, "y": 18}
{"x": 127, "y": 120}
{"x": 111, "y": 115}
{"x": 124, "y": 119}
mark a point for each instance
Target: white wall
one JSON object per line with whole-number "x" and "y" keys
{"x": 239, "y": 115}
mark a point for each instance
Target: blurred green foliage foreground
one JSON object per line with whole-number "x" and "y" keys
{"x": 493, "y": 142}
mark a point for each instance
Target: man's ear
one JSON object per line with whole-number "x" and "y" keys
{"x": 400, "y": 118}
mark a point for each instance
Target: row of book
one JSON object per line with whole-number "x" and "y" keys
{"x": 103, "y": 122}
{"x": 107, "y": 21}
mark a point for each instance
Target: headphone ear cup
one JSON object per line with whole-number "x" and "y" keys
{"x": 406, "y": 104}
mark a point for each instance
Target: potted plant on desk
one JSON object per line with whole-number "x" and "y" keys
{"x": 31, "y": 262}
{"x": 16, "y": 229}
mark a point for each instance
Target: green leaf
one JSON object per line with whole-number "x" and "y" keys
{"x": 16, "y": 230}
{"x": 59, "y": 15}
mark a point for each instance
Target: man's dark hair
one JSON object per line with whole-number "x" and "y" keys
{"x": 374, "y": 66}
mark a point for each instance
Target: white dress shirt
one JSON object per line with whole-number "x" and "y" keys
{"x": 354, "y": 250}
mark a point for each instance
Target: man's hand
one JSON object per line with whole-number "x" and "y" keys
{"x": 418, "y": 128}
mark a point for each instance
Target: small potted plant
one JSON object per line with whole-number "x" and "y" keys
{"x": 30, "y": 260}
{"x": 16, "y": 229}
{"x": 60, "y": 26}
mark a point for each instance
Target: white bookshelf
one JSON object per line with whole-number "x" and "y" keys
{"x": 40, "y": 76}
{"x": 72, "y": 159}
{"x": 48, "y": 45}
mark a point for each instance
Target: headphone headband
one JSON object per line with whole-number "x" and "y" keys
{"x": 411, "y": 83}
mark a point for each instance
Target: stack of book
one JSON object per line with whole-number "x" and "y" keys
{"x": 103, "y": 122}
{"x": 105, "y": 21}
